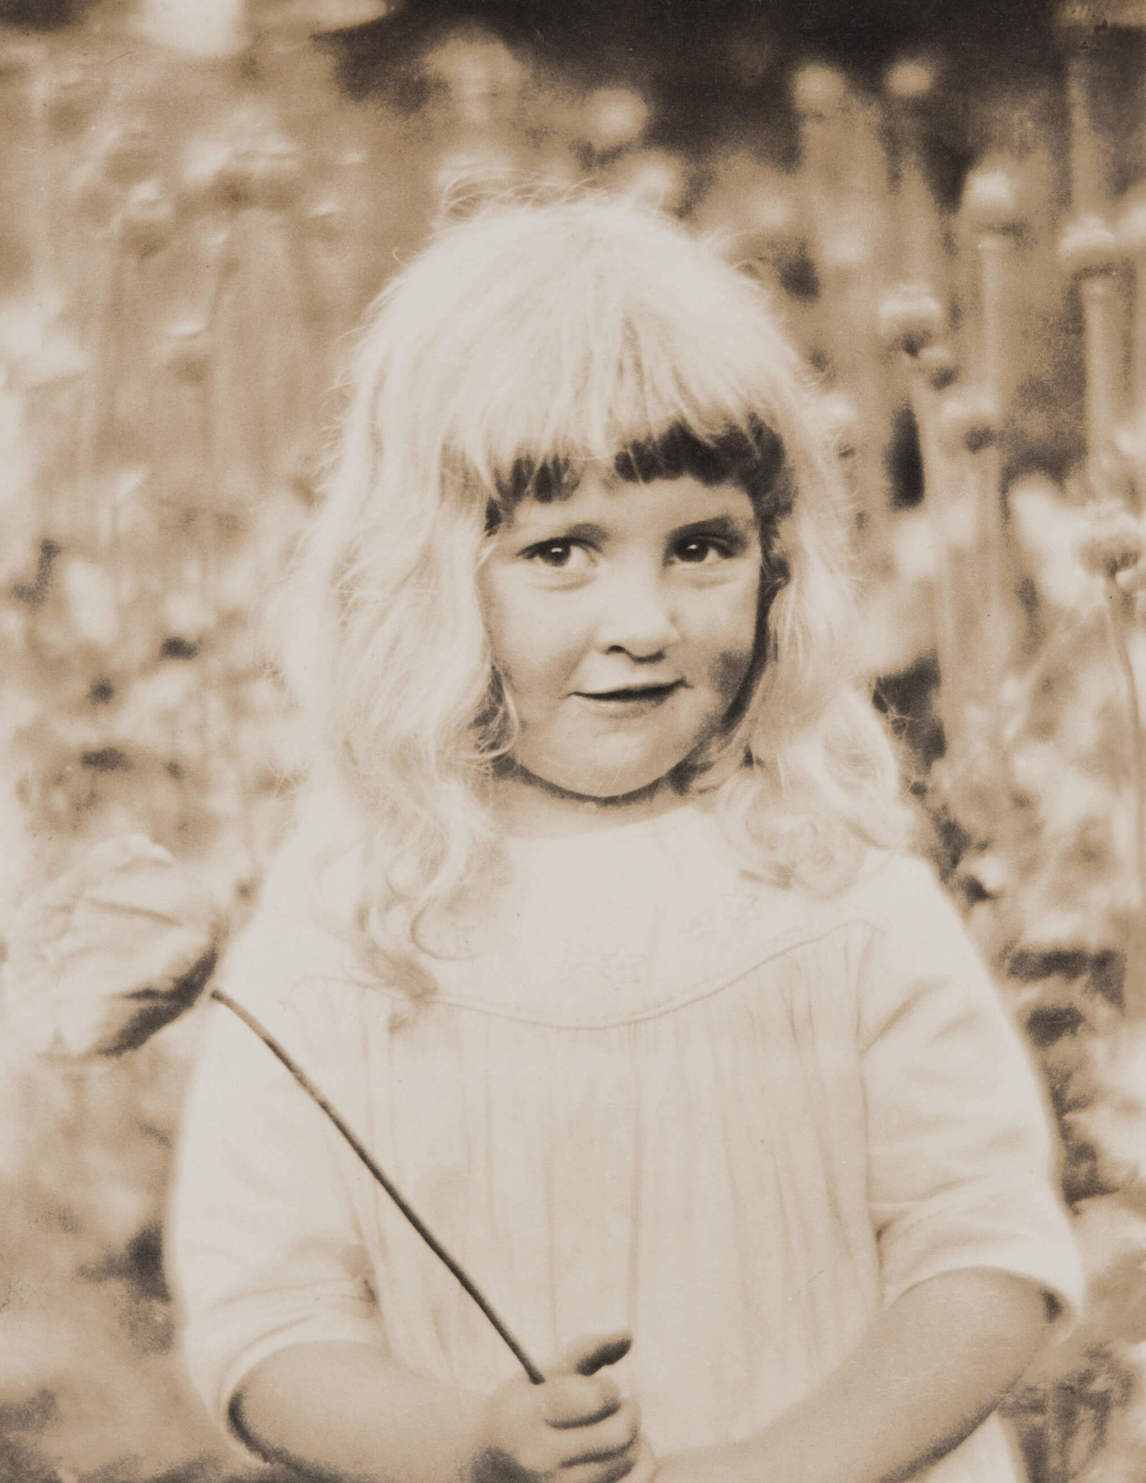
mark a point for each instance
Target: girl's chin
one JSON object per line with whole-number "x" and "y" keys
{"x": 528, "y": 797}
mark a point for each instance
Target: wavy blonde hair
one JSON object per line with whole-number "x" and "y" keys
{"x": 523, "y": 346}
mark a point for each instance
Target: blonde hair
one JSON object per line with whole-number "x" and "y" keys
{"x": 526, "y": 344}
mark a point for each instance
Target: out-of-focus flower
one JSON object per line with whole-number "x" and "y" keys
{"x": 914, "y": 547}
{"x": 209, "y": 173}
{"x": 1088, "y": 245}
{"x": 937, "y": 362}
{"x": 90, "y": 593}
{"x": 1113, "y": 540}
{"x": 480, "y": 76}
{"x": 272, "y": 172}
{"x": 613, "y": 118}
{"x": 1131, "y": 224}
{"x": 108, "y": 953}
{"x": 911, "y": 79}
{"x": 652, "y": 177}
{"x": 1047, "y": 528}
{"x": 750, "y": 213}
{"x": 1131, "y": 579}
{"x": 147, "y": 220}
{"x": 819, "y": 89}
{"x": 987, "y": 872}
{"x": 210, "y": 28}
{"x": 969, "y": 420}
{"x": 843, "y": 417}
{"x": 328, "y": 219}
{"x": 186, "y": 348}
{"x": 910, "y": 318}
{"x": 310, "y": 16}
{"x": 991, "y": 201}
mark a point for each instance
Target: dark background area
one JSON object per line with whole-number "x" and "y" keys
{"x": 662, "y": 35}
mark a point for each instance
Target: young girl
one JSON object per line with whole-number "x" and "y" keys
{"x": 595, "y": 928}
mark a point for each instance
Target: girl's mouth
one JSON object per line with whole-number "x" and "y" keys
{"x": 630, "y": 699}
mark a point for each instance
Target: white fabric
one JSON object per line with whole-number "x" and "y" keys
{"x": 655, "y": 1093}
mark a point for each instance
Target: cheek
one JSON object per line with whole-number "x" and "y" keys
{"x": 505, "y": 624}
{"x": 730, "y": 642}
{"x": 530, "y": 652}
{"x": 727, "y": 672}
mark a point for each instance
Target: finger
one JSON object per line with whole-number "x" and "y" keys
{"x": 610, "y": 1470}
{"x": 580, "y": 1400}
{"x": 587, "y": 1356}
{"x": 607, "y": 1439}
{"x": 645, "y": 1467}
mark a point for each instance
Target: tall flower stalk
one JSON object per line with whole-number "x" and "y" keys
{"x": 1113, "y": 549}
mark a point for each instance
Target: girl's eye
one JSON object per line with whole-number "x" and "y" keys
{"x": 697, "y": 550}
{"x": 557, "y": 555}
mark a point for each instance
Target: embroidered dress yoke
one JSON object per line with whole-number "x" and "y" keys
{"x": 650, "y": 1091}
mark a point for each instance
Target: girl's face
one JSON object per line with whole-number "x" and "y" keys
{"x": 622, "y": 621}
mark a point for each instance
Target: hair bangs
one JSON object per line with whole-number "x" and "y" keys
{"x": 750, "y": 457}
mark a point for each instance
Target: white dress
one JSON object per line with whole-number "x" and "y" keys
{"x": 654, "y": 1093}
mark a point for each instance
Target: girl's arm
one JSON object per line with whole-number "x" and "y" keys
{"x": 929, "y": 1370}
{"x": 346, "y": 1411}
{"x": 970, "y": 1230}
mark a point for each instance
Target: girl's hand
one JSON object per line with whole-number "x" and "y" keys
{"x": 575, "y": 1426}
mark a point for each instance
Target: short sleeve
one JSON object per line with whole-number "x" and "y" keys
{"x": 961, "y": 1161}
{"x": 264, "y": 1247}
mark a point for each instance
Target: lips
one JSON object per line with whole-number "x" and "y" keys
{"x": 630, "y": 699}
{"x": 632, "y": 692}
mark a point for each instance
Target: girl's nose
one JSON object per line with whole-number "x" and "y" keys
{"x": 637, "y": 615}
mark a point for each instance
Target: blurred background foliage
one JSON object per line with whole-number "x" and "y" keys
{"x": 949, "y": 206}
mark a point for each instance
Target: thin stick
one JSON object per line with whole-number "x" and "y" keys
{"x": 45, "y": 278}
{"x": 1103, "y": 336}
{"x": 1135, "y": 1000}
{"x": 1089, "y": 77}
{"x": 938, "y": 478}
{"x": 98, "y": 397}
{"x": 411, "y": 1215}
{"x": 910, "y": 87}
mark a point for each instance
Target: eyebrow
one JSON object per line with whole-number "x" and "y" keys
{"x": 583, "y": 530}
{"x": 728, "y": 527}
{"x": 716, "y": 525}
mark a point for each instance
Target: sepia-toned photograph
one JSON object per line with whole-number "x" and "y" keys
{"x": 573, "y": 741}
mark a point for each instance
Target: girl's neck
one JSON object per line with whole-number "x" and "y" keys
{"x": 524, "y": 805}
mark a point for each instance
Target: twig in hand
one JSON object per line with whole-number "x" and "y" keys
{"x": 383, "y": 1179}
